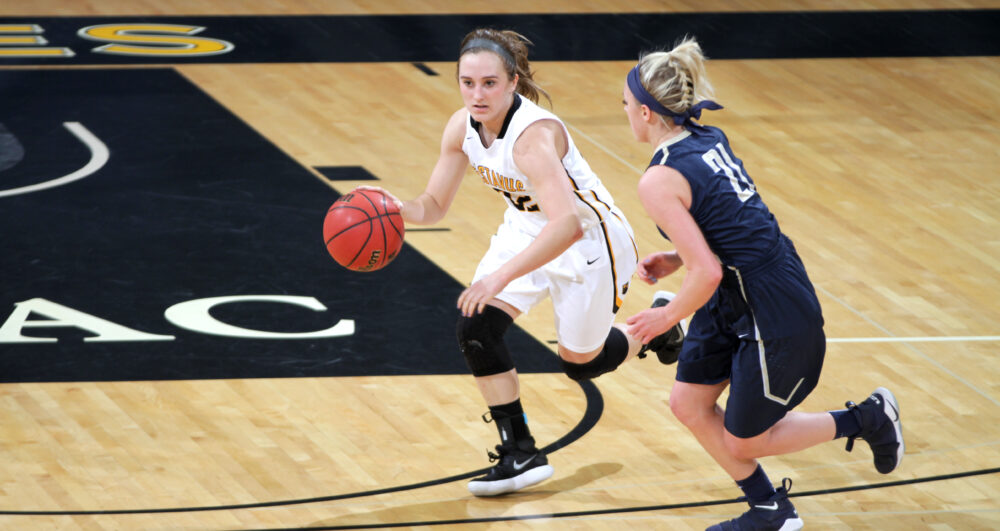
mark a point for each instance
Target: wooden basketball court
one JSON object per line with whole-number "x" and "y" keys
{"x": 882, "y": 170}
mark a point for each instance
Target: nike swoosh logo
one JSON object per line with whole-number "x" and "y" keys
{"x": 589, "y": 262}
{"x": 519, "y": 466}
{"x": 772, "y": 507}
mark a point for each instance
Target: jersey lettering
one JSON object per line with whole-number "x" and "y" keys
{"x": 524, "y": 203}
{"x": 719, "y": 160}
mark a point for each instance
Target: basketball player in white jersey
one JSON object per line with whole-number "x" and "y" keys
{"x": 562, "y": 236}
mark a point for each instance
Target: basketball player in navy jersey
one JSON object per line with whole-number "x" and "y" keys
{"x": 757, "y": 326}
{"x": 562, "y": 236}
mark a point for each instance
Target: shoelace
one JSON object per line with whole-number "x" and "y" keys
{"x": 494, "y": 457}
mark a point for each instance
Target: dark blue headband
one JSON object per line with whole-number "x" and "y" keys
{"x": 647, "y": 99}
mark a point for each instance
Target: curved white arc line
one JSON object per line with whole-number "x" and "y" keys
{"x": 99, "y": 156}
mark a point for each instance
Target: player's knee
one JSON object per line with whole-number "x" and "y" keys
{"x": 744, "y": 449}
{"x": 608, "y": 359}
{"x": 683, "y": 412}
{"x": 689, "y": 412}
{"x": 481, "y": 339}
{"x": 586, "y": 371}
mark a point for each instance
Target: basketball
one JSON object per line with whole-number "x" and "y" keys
{"x": 363, "y": 230}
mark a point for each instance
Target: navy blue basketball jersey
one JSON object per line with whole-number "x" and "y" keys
{"x": 736, "y": 223}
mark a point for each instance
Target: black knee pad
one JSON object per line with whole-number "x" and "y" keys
{"x": 481, "y": 339}
{"x": 611, "y": 356}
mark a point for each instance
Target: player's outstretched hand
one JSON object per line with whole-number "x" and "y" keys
{"x": 657, "y": 266}
{"x": 648, "y": 324}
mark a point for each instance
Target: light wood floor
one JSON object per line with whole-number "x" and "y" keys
{"x": 883, "y": 171}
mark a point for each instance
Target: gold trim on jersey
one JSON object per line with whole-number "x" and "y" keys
{"x": 619, "y": 293}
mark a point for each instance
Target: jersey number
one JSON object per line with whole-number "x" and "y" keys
{"x": 718, "y": 159}
{"x": 522, "y": 202}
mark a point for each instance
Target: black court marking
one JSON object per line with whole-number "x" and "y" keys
{"x": 557, "y": 37}
{"x": 425, "y": 69}
{"x": 592, "y": 413}
{"x": 346, "y": 173}
{"x": 194, "y": 204}
{"x": 428, "y": 229}
{"x": 571, "y": 514}
{"x": 626, "y": 510}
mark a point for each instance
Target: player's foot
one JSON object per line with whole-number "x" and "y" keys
{"x": 667, "y": 345}
{"x": 881, "y": 428}
{"x": 516, "y": 469}
{"x": 776, "y": 514}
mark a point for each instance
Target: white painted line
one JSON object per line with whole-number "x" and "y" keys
{"x": 930, "y": 339}
{"x": 929, "y": 359}
{"x": 99, "y": 155}
{"x": 602, "y": 147}
{"x": 906, "y": 341}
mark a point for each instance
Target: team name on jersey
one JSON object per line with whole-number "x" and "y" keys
{"x": 499, "y": 182}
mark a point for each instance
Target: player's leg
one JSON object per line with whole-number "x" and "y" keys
{"x": 587, "y": 300}
{"x": 876, "y": 421}
{"x": 771, "y": 377}
{"x": 617, "y": 347}
{"x": 795, "y": 432}
{"x": 519, "y": 463}
{"x": 481, "y": 338}
{"x": 719, "y": 344}
{"x": 696, "y": 407}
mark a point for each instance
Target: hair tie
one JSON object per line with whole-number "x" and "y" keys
{"x": 480, "y": 43}
{"x": 647, "y": 99}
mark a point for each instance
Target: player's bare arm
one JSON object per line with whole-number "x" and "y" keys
{"x": 538, "y": 153}
{"x": 431, "y": 205}
{"x": 666, "y": 196}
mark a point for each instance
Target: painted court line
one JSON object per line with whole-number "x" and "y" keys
{"x": 908, "y": 342}
{"x": 930, "y": 339}
{"x": 99, "y": 155}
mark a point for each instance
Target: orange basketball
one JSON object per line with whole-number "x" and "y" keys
{"x": 363, "y": 230}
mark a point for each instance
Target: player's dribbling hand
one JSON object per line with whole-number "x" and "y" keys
{"x": 395, "y": 200}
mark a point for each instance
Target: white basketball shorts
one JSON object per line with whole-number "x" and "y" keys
{"x": 587, "y": 282}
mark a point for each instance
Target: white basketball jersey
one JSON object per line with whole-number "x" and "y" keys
{"x": 495, "y": 166}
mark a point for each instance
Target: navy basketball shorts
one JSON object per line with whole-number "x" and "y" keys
{"x": 764, "y": 333}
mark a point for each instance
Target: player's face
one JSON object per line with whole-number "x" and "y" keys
{"x": 486, "y": 89}
{"x": 634, "y": 112}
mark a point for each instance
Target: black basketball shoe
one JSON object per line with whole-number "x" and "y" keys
{"x": 517, "y": 468}
{"x": 777, "y": 514}
{"x": 667, "y": 345}
{"x": 881, "y": 428}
